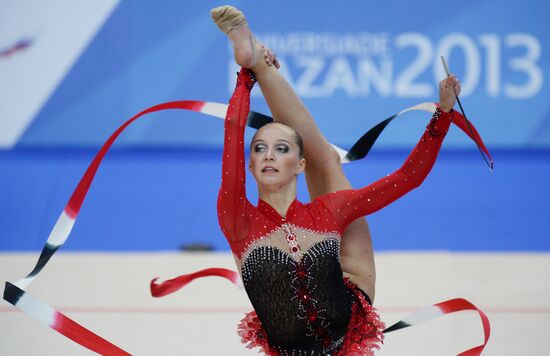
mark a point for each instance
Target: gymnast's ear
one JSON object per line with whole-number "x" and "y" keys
{"x": 301, "y": 166}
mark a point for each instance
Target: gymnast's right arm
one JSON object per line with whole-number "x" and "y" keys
{"x": 232, "y": 201}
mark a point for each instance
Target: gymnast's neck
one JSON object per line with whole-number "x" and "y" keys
{"x": 279, "y": 196}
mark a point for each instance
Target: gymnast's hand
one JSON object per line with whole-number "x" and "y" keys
{"x": 270, "y": 57}
{"x": 449, "y": 89}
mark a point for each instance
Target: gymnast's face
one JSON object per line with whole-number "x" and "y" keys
{"x": 275, "y": 156}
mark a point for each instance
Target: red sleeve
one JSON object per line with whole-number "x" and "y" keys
{"x": 348, "y": 205}
{"x": 232, "y": 201}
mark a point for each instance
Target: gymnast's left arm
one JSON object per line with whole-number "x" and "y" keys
{"x": 348, "y": 205}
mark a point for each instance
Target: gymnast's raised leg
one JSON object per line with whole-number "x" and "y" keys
{"x": 324, "y": 172}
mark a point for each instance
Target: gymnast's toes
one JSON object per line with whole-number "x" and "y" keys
{"x": 228, "y": 18}
{"x": 232, "y": 21}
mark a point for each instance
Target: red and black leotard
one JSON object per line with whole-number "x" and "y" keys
{"x": 290, "y": 265}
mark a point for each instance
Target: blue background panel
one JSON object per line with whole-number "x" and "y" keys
{"x": 147, "y": 200}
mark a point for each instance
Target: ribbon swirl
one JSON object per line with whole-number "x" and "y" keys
{"x": 16, "y": 295}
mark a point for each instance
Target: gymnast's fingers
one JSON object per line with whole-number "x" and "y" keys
{"x": 276, "y": 63}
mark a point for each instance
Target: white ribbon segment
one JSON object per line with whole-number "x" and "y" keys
{"x": 214, "y": 109}
{"x": 422, "y": 315}
{"x": 61, "y": 230}
{"x": 37, "y": 309}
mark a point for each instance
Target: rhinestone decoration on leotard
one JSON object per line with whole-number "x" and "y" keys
{"x": 292, "y": 241}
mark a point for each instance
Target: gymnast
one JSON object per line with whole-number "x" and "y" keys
{"x": 308, "y": 269}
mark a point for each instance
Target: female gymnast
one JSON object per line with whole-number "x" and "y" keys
{"x": 308, "y": 269}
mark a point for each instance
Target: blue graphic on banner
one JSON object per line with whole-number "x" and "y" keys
{"x": 354, "y": 64}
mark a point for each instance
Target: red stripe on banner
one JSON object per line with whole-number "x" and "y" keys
{"x": 77, "y": 198}
{"x": 172, "y": 285}
{"x": 85, "y": 337}
{"x": 459, "y": 304}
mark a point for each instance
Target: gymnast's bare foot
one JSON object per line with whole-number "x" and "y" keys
{"x": 232, "y": 21}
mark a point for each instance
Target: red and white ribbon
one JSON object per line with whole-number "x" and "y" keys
{"x": 444, "y": 308}
{"x": 60, "y": 322}
{"x": 15, "y": 293}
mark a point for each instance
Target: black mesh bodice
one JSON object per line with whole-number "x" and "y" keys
{"x": 303, "y": 305}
